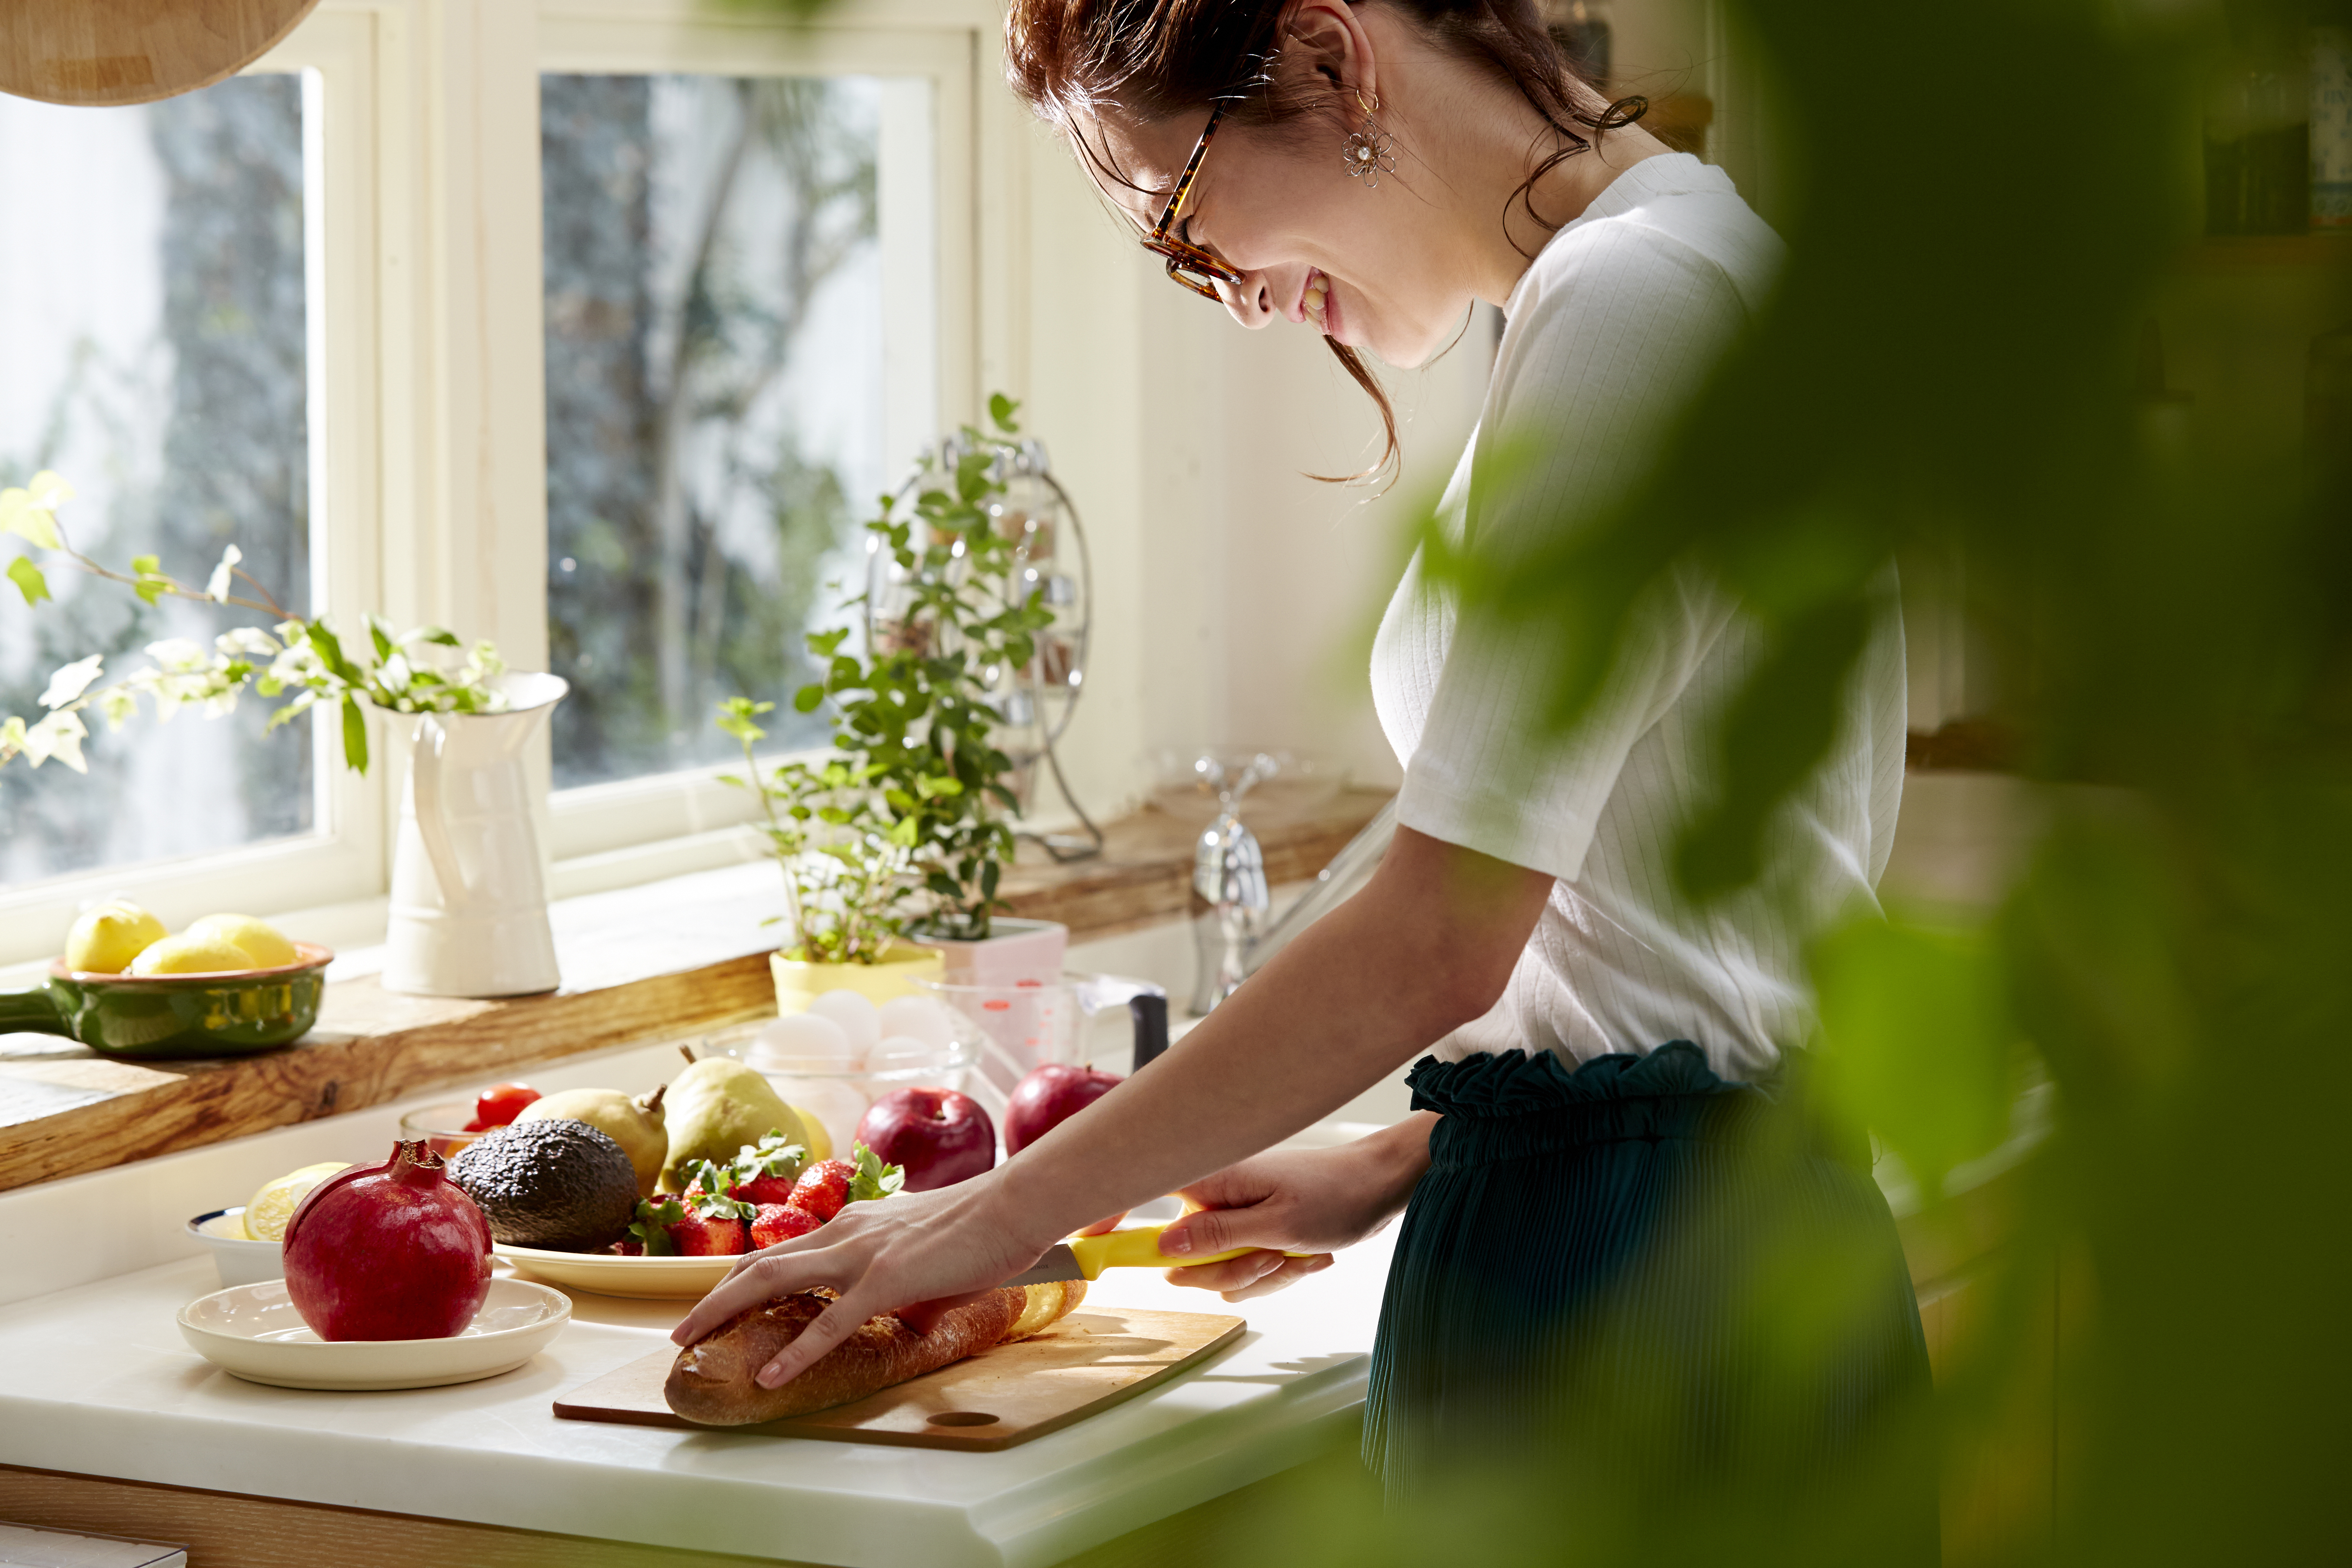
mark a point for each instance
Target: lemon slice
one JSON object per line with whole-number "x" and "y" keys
{"x": 267, "y": 1212}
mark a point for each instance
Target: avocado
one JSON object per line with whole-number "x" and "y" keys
{"x": 559, "y": 1185}
{"x": 634, "y": 1124}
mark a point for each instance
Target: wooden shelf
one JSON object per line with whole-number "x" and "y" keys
{"x": 666, "y": 962}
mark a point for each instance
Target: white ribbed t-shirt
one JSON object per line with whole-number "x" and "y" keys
{"x": 1615, "y": 323}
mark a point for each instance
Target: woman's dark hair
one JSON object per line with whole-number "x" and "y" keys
{"x": 1152, "y": 59}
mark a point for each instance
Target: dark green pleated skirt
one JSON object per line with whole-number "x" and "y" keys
{"x": 1639, "y": 1271}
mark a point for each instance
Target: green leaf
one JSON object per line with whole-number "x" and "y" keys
{"x": 152, "y": 582}
{"x": 330, "y": 650}
{"x": 28, "y": 580}
{"x": 874, "y": 1179}
{"x": 653, "y": 1222}
{"x": 808, "y": 699}
{"x": 1918, "y": 1045}
{"x": 355, "y": 738}
{"x": 380, "y": 634}
{"x": 1000, "y": 409}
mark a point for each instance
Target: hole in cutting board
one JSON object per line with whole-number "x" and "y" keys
{"x": 963, "y": 1418}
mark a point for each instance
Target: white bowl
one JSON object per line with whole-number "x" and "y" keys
{"x": 254, "y": 1332}
{"x": 612, "y": 1274}
{"x": 241, "y": 1259}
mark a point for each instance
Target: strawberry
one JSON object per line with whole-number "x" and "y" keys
{"x": 763, "y": 1173}
{"x": 706, "y": 1236}
{"x": 778, "y": 1222}
{"x": 704, "y": 1221}
{"x": 823, "y": 1188}
{"x": 765, "y": 1191}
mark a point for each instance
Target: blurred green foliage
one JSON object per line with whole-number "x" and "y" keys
{"x": 1990, "y": 206}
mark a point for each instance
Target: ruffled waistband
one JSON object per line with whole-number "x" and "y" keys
{"x": 1513, "y": 1105}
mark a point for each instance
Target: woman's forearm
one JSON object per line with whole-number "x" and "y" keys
{"x": 1422, "y": 951}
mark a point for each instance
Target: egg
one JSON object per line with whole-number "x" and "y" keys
{"x": 854, "y": 1012}
{"x": 919, "y": 1018}
{"x": 837, "y": 1106}
{"x": 895, "y": 1053}
{"x": 809, "y": 1042}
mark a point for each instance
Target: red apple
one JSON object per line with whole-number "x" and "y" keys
{"x": 939, "y": 1136}
{"x": 1049, "y": 1096}
{"x": 395, "y": 1251}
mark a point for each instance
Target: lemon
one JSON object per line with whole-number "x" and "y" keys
{"x": 813, "y": 1136}
{"x": 261, "y": 943}
{"x": 267, "y": 1212}
{"x": 190, "y": 955}
{"x": 106, "y": 939}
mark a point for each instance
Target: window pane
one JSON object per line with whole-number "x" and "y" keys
{"x": 151, "y": 302}
{"x": 714, "y": 392}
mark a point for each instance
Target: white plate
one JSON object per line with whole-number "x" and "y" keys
{"x": 255, "y": 1332}
{"x": 610, "y": 1274}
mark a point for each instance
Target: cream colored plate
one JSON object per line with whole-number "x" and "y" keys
{"x": 255, "y": 1332}
{"x": 609, "y": 1274}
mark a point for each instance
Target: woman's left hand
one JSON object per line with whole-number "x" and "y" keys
{"x": 914, "y": 1254}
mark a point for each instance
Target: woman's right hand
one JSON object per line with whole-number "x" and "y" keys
{"x": 1306, "y": 1201}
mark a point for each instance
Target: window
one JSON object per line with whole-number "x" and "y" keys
{"x": 157, "y": 335}
{"x": 425, "y": 321}
{"x": 714, "y": 398}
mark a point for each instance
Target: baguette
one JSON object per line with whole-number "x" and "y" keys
{"x": 711, "y": 1383}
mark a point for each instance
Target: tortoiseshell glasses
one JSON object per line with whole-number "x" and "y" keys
{"x": 1188, "y": 264}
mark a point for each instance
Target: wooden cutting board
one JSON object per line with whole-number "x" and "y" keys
{"x": 1088, "y": 1362}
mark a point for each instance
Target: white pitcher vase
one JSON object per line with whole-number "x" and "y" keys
{"x": 468, "y": 897}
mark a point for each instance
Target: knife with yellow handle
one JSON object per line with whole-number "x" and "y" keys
{"x": 1085, "y": 1256}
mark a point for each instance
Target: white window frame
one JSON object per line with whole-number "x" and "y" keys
{"x": 342, "y": 856}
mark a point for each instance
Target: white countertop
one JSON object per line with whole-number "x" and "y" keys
{"x": 96, "y": 1379}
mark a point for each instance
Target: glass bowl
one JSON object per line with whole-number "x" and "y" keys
{"x": 443, "y": 1126}
{"x": 835, "y": 1097}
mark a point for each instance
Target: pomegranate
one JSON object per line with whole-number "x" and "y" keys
{"x": 394, "y": 1251}
{"x": 1049, "y": 1096}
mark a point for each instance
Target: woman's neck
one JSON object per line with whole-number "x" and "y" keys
{"x": 1488, "y": 157}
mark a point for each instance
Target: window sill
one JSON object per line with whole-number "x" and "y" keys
{"x": 666, "y": 960}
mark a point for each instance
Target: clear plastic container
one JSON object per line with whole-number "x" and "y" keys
{"x": 835, "y": 1096}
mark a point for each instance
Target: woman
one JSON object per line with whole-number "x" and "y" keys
{"x": 1366, "y": 169}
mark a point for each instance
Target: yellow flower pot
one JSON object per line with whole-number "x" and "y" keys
{"x": 798, "y": 983}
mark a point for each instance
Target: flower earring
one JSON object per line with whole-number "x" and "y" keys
{"x": 1368, "y": 151}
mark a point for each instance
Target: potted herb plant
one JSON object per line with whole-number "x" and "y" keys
{"x": 916, "y": 769}
{"x": 847, "y": 869}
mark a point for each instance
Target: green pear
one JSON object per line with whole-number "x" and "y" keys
{"x": 716, "y": 1107}
{"x": 636, "y": 1125}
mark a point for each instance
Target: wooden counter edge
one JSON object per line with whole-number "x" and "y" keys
{"x": 390, "y": 1047}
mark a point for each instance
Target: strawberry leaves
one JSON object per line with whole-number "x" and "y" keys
{"x": 874, "y": 1179}
{"x": 652, "y": 1225}
{"x": 774, "y": 1155}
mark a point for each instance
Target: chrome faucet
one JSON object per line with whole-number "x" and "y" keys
{"x": 1233, "y": 925}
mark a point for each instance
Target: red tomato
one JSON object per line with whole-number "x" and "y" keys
{"x": 501, "y": 1102}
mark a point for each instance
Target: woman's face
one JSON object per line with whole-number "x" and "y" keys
{"x": 1315, "y": 247}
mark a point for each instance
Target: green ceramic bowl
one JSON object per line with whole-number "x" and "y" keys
{"x": 230, "y": 1014}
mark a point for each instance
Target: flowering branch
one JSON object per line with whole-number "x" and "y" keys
{"x": 305, "y": 655}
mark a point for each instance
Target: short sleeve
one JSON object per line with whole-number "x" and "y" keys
{"x": 1591, "y": 376}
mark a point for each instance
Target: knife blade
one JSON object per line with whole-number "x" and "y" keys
{"x": 1085, "y": 1256}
